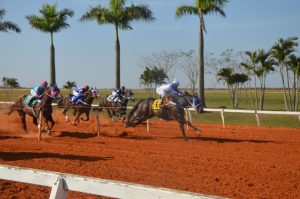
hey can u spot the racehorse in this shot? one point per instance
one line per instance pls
(150, 107)
(45, 105)
(117, 108)
(83, 107)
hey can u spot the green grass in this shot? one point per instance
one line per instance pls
(214, 99)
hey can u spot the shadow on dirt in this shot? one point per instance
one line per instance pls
(77, 135)
(13, 156)
(2, 137)
(223, 140)
(125, 135)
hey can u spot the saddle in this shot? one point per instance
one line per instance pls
(29, 101)
(111, 98)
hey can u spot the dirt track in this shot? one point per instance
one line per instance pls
(236, 162)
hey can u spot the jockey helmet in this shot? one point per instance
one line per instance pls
(175, 83)
(123, 88)
(86, 87)
(55, 89)
(44, 83)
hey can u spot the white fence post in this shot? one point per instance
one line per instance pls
(97, 122)
(223, 118)
(257, 118)
(58, 191)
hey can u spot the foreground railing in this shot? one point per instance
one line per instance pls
(63, 182)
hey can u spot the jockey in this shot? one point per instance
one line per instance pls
(117, 94)
(79, 93)
(171, 89)
(38, 91)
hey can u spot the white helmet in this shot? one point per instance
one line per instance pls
(175, 83)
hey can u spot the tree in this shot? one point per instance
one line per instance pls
(120, 16)
(5, 26)
(234, 82)
(70, 85)
(294, 66)
(151, 77)
(265, 66)
(200, 9)
(10, 82)
(167, 60)
(51, 21)
(281, 51)
(189, 68)
(250, 66)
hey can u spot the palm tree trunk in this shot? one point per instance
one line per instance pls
(201, 67)
(284, 92)
(117, 60)
(289, 88)
(52, 62)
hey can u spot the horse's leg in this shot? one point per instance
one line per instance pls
(65, 114)
(22, 115)
(192, 126)
(49, 118)
(76, 120)
(108, 110)
(87, 114)
(181, 121)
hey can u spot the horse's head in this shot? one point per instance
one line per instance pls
(193, 101)
(129, 95)
(94, 93)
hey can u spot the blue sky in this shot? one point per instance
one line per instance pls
(85, 51)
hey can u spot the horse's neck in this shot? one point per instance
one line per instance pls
(47, 100)
(89, 100)
(185, 101)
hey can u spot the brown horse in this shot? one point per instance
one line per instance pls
(45, 105)
(118, 108)
(150, 107)
(83, 107)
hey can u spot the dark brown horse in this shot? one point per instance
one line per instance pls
(117, 109)
(150, 107)
(83, 107)
(45, 105)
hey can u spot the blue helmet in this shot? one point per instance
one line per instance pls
(175, 83)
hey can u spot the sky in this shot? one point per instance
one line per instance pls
(85, 52)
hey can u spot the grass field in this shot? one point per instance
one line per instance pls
(214, 99)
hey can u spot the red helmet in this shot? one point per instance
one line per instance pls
(44, 83)
(86, 87)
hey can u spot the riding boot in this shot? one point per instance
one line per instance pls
(162, 102)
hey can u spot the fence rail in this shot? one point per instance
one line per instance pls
(63, 182)
(220, 110)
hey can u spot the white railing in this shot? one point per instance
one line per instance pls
(63, 182)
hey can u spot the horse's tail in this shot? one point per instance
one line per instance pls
(135, 107)
(15, 106)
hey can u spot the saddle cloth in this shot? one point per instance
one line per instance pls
(27, 100)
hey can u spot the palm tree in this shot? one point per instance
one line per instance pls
(120, 16)
(266, 64)
(200, 9)
(294, 65)
(251, 70)
(7, 25)
(51, 21)
(281, 51)
(70, 85)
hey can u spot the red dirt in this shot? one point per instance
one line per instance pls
(236, 162)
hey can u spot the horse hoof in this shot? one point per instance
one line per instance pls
(49, 132)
